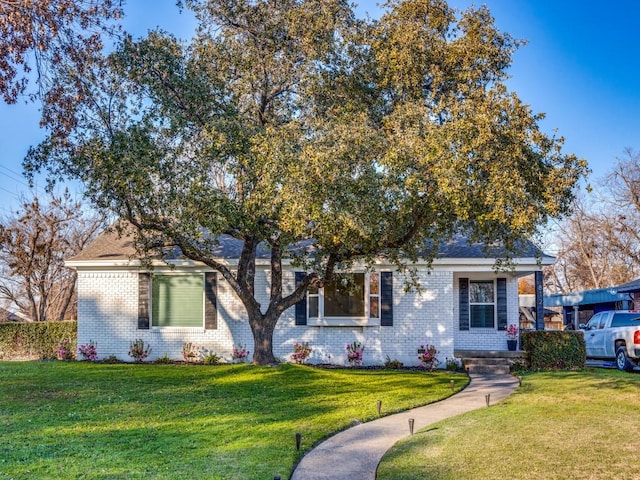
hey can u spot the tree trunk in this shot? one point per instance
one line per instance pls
(262, 328)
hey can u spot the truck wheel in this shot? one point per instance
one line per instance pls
(622, 361)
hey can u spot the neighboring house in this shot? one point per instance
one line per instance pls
(463, 304)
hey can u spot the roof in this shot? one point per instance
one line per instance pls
(630, 287)
(586, 297)
(111, 246)
(460, 247)
(595, 296)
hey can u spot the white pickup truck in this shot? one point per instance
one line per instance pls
(614, 335)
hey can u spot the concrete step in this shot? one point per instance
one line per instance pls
(485, 365)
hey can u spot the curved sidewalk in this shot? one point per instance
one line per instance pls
(355, 453)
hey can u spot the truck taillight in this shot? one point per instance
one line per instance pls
(636, 337)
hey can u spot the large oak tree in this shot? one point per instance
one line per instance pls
(285, 120)
(36, 35)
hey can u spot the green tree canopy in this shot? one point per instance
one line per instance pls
(284, 120)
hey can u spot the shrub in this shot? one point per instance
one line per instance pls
(301, 352)
(355, 352)
(139, 350)
(453, 364)
(111, 359)
(189, 352)
(393, 364)
(163, 359)
(554, 350)
(36, 339)
(212, 359)
(88, 351)
(239, 353)
(427, 356)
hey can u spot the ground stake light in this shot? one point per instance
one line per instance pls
(453, 385)
(379, 406)
(487, 397)
(298, 440)
(411, 423)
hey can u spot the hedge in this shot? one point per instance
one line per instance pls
(36, 339)
(554, 350)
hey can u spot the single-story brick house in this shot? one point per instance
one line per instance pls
(464, 304)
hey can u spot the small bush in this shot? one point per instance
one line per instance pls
(301, 352)
(138, 350)
(163, 359)
(453, 364)
(88, 351)
(111, 359)
(212, 359)
(554, 350)
(189, 352)
(427, 356)
(239, 353)
(393, 364)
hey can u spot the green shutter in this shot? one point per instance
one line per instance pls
(177, 301)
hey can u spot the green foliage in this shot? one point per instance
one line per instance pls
(36, 339)
(163, 360)
(393, 364)
(212, 359)
(139, 350)
(96, 421)
(554, 350)
(111, 359)
(300, 122)
(453, 364)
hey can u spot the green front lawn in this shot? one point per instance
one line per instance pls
(82, 420)
(577, 425)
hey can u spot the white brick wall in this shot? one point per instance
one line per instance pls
(485, 339)
(108, 311)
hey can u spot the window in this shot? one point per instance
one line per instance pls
(351, 296)
(482, 304)
(177, 300)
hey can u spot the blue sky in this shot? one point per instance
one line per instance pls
(581, 67)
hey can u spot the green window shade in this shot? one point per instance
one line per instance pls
(177, 301)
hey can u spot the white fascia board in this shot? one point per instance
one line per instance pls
(449, 264)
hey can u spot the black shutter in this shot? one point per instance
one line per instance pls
(463, 303)
(144, 284)
(386, 299)
(301, 306)
(211, 304)
(502, 303)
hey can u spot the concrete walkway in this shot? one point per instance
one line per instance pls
(355, 453)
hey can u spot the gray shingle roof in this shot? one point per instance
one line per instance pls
(111, 246)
